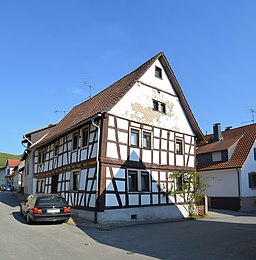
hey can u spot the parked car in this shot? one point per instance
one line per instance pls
(45, 207)
(7, 187)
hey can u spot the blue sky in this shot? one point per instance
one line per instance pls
(49, 48)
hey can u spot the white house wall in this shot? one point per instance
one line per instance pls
(221, 183)
(249, 166)
(137, 104)
(163, 144)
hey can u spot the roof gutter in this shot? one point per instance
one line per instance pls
(66, 131)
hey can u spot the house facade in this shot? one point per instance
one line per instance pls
(113, 157)
(9, 171)
(26, 168)
(2, 179)
(228, 164)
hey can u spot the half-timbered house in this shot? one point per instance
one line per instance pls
(112, 156)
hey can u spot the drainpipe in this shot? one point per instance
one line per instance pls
(97, 170)
(238, 184)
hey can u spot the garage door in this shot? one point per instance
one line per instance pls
(230, 203)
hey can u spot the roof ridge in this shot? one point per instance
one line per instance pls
(149, 61)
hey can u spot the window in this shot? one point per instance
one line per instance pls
(147, 140)
(179, 146)
(56, 149)
(74, 180)
(159, 106)
(133, 181)
(179, 183)
(138, 181)
(85, 137)
(254, 153)
(40, 186)
(155, 105)
(135, 135)
(158, 72)
(216, 157)
(252, 180)
(162, 108)
(41, 156)
(75, 141)
(144, 181)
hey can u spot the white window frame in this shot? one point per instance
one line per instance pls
(139, 137)
(40, 185)
(75, 134)
(150, 144)
(252, 180)
(179, 142)
(139, 173)
(41, 156)
(56, 149)
(71, 184)
(88, 136)
(140, 141)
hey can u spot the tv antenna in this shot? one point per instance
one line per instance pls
(61, 111)
(253, 111)
(90, 89)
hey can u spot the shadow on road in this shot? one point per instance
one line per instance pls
(197, 239)
(8, 198)
(18, 217)
(182, 240)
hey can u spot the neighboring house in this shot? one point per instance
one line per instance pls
(9, 170)
(27, 168)
(228, 164)
(110, 155)
(2, 179)
(17, 176)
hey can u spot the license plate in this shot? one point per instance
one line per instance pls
(53, 210)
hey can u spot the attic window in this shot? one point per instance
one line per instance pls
(158, 72)
(159, 106)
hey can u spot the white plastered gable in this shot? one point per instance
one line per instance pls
(137, 104)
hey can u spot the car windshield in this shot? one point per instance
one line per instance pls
(51, 201)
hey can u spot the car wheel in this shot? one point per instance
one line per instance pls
(29, 221)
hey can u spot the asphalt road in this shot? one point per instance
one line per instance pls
(222, 236)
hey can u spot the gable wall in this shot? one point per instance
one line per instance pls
(137, 104)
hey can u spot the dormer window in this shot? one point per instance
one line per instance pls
(158, 72)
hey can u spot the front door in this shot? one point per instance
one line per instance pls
(54, 183)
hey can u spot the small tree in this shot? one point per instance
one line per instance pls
(188, 189)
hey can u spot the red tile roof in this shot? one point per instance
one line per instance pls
(12, 162)
(243, 137)
(110, 96)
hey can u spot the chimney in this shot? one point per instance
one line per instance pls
(217, 136)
